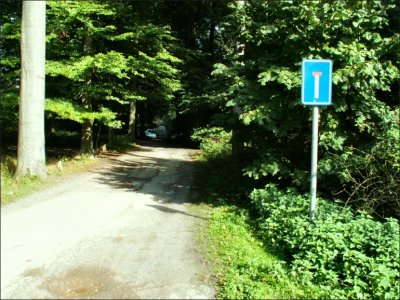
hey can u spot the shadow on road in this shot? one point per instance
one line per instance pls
(164, 173)
(173, 211)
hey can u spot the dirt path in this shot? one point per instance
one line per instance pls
(122, 231)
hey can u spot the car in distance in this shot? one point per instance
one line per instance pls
(151, 133)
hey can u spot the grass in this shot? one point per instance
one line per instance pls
(242, 266)
(61, 162)
(13, 188)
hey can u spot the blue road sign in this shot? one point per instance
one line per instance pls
(316, 84)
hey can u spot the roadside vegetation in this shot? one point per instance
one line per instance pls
(62, 160)
(263, 244)
(12, 188)
(242, 267)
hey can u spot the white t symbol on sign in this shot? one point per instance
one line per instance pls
(316, 83)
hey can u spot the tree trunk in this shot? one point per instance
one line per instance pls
(109, 136)
(87, 125)
(211, 36)
(132, 112)
(132, 120)
(212, 41)
(31, 135)
(87, 135)
(237, 141)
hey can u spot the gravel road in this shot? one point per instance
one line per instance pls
(120, 231)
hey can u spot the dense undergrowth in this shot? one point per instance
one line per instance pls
(348, 255)
(267, 247)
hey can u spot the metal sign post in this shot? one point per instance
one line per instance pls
(314, 162)
(316, 90)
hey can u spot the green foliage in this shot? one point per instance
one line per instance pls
(222, 177)
(349, 256)
(372, 181)
(9, 115)
(120, 143)
(10, 18)
(264, 82)
(112, 63)
(244, 270)
(97, 59)
(68, 110)
(214, 142)
(94, 71)
(161, 68)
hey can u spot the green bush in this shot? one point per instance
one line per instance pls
(348, 255)
(214, 142)
(370, 176)
(121, 143)
(244, 270)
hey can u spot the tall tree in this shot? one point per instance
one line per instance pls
(92, 73)
(359, 37)
(106, 60)
(150, 41)
(197, 25)
(31, 151)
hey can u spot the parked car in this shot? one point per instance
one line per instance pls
(151, 133)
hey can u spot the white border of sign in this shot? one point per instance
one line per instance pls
(303, 70)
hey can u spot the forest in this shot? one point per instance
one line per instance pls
(225, 76)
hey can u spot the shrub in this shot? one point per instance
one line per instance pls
(370, 175)
(121, 143)
(350, 255)
(214, 142)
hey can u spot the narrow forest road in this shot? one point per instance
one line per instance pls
(120, 231)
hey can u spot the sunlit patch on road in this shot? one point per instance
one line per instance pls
(88, 282)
